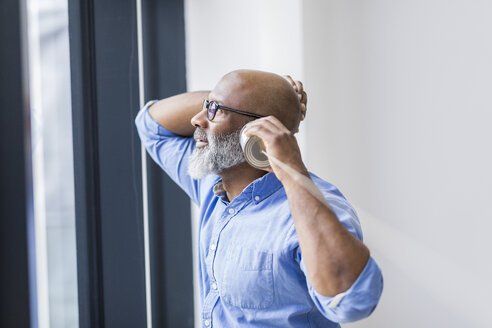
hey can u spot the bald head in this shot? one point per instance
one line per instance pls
(261, 93)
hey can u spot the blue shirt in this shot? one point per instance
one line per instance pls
(251, 269)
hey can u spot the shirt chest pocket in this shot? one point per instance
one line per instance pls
(247, 280)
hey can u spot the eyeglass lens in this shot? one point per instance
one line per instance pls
(211, 109)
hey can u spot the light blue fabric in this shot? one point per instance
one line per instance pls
(251, 269)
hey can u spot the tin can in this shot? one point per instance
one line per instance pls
(253, 148)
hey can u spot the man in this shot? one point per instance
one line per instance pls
(271, 254)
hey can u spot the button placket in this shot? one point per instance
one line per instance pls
(212, 297)
(208, 305)
(222, 222)
(209, 261)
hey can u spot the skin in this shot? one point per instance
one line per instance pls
(334, 257)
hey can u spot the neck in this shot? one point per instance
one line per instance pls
(236, 178)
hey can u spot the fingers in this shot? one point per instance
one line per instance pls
(267, 128)
(299, 87)
(262, 124)
(301, 94)
(290, 80)
(276, 122)
(303, 98)
(264, 131)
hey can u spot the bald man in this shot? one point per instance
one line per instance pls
(271, 254)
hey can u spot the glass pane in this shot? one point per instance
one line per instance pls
(49, 82)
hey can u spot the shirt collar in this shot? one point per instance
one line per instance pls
(259, 189)
(218, 188)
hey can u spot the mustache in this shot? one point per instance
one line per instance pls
(200, 134)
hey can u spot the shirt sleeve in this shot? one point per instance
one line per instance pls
(360, 300)
(169, 150)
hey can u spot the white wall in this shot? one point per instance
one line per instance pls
(399, 117)
(224, 35)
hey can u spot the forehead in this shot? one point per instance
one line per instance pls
(230, 91)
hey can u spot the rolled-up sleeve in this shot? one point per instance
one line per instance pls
(169, 150)
(358, 302)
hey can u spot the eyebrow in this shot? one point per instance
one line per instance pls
(212, 98)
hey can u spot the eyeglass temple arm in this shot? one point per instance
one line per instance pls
(240, 111)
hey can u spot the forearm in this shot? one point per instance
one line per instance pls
(334, 257)
(174, 113)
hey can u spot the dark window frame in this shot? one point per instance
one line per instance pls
(171, 266)
(107, 163)
(108, 167)
(108, 176)
(17, 265)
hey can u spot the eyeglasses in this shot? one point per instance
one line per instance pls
(212, 106)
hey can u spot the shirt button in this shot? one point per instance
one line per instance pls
(206, 323)
(213, 247)
(231, 211)
(214, 286)
(257, 198)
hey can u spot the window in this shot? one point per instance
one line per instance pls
(76, 253)
(51, 134)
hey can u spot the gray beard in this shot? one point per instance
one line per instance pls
(221, 152)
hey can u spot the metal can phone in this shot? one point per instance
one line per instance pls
(252, 148)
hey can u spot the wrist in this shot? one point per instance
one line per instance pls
(291, 175)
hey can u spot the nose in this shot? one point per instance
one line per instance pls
(200, 119)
